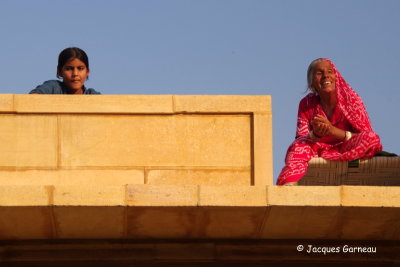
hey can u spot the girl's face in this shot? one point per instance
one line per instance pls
(74, 74)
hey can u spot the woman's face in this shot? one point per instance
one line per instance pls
(74, 74)
(324, 77)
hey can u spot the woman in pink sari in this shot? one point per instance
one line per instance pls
(332, 123)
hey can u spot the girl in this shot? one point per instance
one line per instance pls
(73, 68)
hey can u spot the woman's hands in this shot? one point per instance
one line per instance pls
(321, 126)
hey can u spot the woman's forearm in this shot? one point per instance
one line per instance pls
(339, 134)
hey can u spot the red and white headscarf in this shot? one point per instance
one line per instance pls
(350, 103)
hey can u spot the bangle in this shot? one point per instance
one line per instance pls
(347, 136)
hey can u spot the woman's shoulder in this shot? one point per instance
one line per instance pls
(309, 100)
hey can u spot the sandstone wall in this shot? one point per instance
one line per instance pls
(118, 140)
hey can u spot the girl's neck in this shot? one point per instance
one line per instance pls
(76, 92)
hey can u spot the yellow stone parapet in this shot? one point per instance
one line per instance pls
(129, 139)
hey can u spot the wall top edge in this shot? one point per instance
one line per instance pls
(197, 195)
(134, 104)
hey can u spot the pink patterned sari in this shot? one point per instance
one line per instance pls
(349, 115)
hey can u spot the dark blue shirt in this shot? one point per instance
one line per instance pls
(54, 87)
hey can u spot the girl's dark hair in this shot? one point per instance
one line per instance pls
(69, 53)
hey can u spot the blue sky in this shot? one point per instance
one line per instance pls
(224, 47)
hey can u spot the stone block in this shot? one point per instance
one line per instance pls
(371, 196)
(89, 222)
(233, 196)
(230, 222)
(199, 176)
(304, 195)
(29, 222)
(263, 161)
(162, 222)
(89, 211)
(24, 212)
(28, 141)
(72, 177)
(6, 103)
(367, 223)
(116, 104)
(222, 103)
(165, 140)
(25, 195)
(89, 195)
(301, 222)
(161, 195)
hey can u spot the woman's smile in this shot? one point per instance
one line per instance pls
(324, 77)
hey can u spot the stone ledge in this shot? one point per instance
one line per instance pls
(369, 196)
(198, 195)
(198, 212)
(161, 195)
(6, 103)
(93, 104)
(222, 103)
(304, 196)
(134, 104)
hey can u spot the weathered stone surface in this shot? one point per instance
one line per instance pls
(162, 222)
(6, 103)
(89, 222)
(28, 141)
(200, 176)
(97, 177)
(368, 223)
(371, 196)
(230, 222)
(25, 212)
(162, 195)
(89, 195)
(262, 136)
(191, 140)
(222, 103)
(235, 196)
(168, 211)
(304, 195)
(93, 104)
(25, 195)
(23, 222)
(300, 221)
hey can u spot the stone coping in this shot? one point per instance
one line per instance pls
(134, 104)
(198, 212)
(199, 195)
